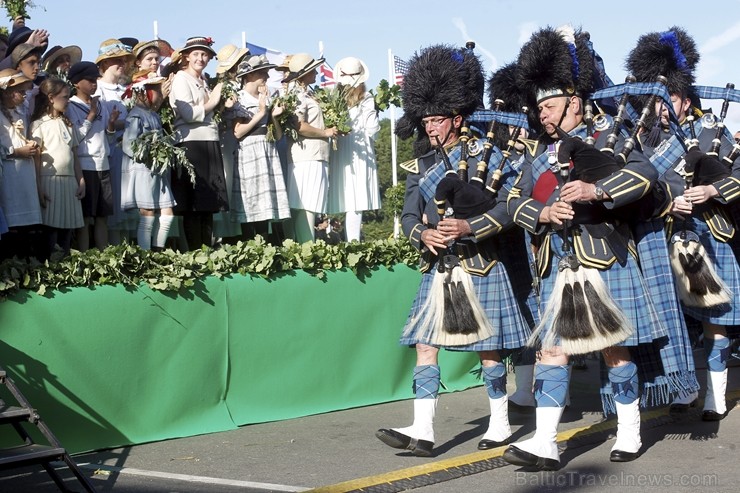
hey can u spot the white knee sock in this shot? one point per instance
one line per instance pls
(163, 230)
(144, 232)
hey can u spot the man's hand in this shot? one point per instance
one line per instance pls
(454, 228)
(681, 207)
(434, 240)
(557, 213)
(700, 193)
(578, 191)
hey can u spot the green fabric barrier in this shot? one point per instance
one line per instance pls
(114, 366)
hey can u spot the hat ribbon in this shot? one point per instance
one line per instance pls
(114, 47)
(5, 81)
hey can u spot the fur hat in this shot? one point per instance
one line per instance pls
(672, 54)
(441, 80)
(556, 62)
(503, 85)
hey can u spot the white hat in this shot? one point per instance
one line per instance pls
(351, 71)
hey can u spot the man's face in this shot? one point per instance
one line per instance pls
(442, 128)
(551, 112)
(680, 105)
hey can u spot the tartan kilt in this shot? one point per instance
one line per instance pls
(511, 329)
(726, 265)
(628, 289)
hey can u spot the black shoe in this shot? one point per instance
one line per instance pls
(518, 408)
(682, 408)
(713, 416)
(622, 456)
(392, 438)
(519, 457)
(489, 444)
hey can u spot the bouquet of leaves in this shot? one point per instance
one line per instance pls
(157, 151)
(333, 104)
(229, 88)
(17, 8)
(289, 103)
(386, 95)
(167, 116)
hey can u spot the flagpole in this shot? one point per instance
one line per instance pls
(394, 177)
(321, 49)
(156, 30)
(244, 39)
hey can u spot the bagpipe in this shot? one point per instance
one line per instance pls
(581, 314)
(698, 283)
(453, 311)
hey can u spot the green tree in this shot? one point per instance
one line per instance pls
(379, 224)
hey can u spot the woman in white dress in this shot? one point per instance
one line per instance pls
(259, 194)
(353, 171)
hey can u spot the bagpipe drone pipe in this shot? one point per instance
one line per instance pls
(453, 310)
(698, 283)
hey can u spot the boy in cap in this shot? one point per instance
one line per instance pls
(95, 124)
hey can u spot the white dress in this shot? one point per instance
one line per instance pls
(259, 187)
(19, 197)
(144, 190)
(353, 172)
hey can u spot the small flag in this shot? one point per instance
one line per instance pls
(400, 67)
(326, 75)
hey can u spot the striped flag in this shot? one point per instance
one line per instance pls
(274, 56)
(326, 75)
(400, 67)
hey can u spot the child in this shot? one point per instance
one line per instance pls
(61, 185)
(146, 191)
(19, 197)
(94, 124)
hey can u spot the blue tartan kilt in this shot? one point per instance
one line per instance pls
(726, 265)
(511, 329)
(628, 289)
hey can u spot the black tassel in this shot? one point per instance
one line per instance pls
(700, 278)
(653, 138)
(449, 321)
(571, 322)
(466, 323)
(604, 318)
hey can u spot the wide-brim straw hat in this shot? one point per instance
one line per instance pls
(199, 42)
(284, 65)
(113, 48)
(74, 52)
(229, 57)
(300, 64)
(162, 46)
(254, 64)
(351, 71)
(10, 77)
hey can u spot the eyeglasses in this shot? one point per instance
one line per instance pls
(435, 121)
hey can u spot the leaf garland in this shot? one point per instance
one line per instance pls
(286, 119)
(333, 104)
(129, 265)
(386, 95)
(158, 152)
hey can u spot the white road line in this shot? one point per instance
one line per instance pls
(193, 479)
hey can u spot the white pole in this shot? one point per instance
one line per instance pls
(321, 49)
(244, 39)
(156, 30)
(394, 174)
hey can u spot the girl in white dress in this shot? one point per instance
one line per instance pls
(353, 171)
(61, 184)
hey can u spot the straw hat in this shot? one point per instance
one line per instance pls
(10, 77)
(283, 67)
(113, 48)
(163, 47)
(229, 56)
(74, 52)
(200, 42)
(254, 64)
(351, 71)
(300, 64)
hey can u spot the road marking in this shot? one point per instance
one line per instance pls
(193, 479)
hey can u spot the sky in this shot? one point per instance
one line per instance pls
(367, 30)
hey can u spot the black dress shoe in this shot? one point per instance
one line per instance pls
(519, 457)
(622, 456)
(682, 408)
(489, 444)
(392, 438)
(713, 416)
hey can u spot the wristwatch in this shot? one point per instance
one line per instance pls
(599, 193)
